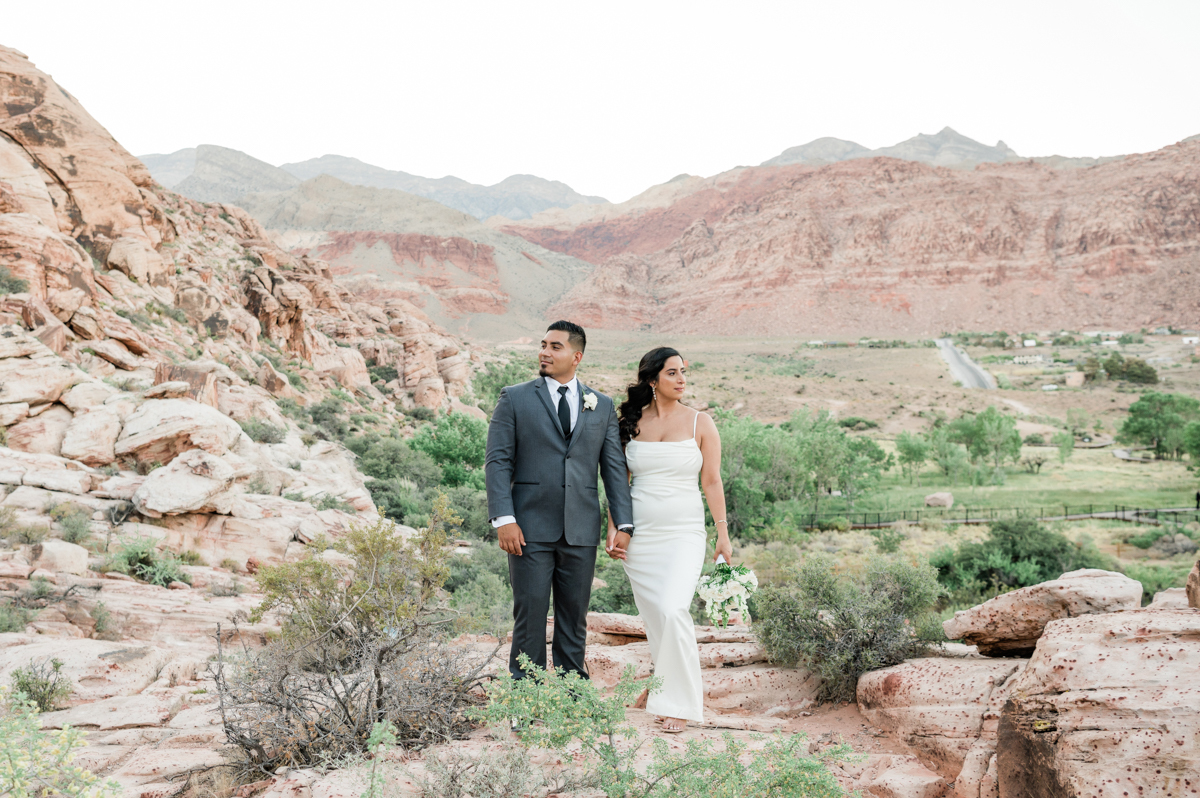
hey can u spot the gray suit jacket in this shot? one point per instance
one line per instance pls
(547, 482)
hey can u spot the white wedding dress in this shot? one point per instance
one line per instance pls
(663, 562)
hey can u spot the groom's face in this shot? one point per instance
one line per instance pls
(558, 359)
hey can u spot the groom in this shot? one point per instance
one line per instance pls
(545, 443)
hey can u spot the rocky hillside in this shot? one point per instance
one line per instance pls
(461, 273)
(191, 172)
(143, 333)
(880, 245)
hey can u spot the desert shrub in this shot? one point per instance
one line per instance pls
(10, 284)
(39, 588)
(222, 589)
(488, 382)
(470, 504)
(572, 717)
(842, 627)
(104, 620)
(1156, 578)
(359, 646)
(191, 557)
(31, 533)
(888, 539)
(13, 618)
(383, 373)
(258, 484)
(326, 414)
(423, 414)
(74, 520)
(388, 457)
(1035, 439)
(858, 424)
(458, 444)
(331, 502)
(37, 762)
(262, 431)
(42, 682)
(140, 558)
(835, 524)
(8, 521)
(1016, 553)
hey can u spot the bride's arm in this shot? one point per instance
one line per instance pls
(710, 480)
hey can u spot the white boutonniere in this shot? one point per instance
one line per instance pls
(589, 401)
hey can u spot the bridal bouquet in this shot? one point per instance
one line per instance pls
(726, 590)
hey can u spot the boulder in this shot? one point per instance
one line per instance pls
(245, 403)
(162, 428)
(1174, 598)
(1011, 624)
(906, 778)
(941, 707)
(12, 413)
(92, 436)
(36, 381)
(1193, 587)
(201, 383)
(275, 383)
(43, 434)
(61, 480)
(194, 482)
(116, 353)
(217, 538)
(174, 389)
(939, 500)
(1106, 706)
(87, 395)
(1169, 546)
(758, 690)
(60, 556)
(614, 623)
(135, 257)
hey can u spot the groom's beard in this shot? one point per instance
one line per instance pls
(542, 372)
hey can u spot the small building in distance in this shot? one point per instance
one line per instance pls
(1028, 360)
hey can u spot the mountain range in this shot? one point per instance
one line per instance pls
(218, 174)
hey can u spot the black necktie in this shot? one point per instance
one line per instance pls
(564, 412)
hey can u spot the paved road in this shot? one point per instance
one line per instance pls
(963, 368)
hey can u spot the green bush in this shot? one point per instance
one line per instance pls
(13, 618)
(1016, 553)
(1156, 578)
(840, 628)
(262, 431)
(488, 382)
(10, 284)
(42, 682)
(383, 373)
(857, 424)
(1035, 439)
(140, 558)
(617, 595)
(458, 444)
(38, 763)
(74, 520)
(888, 539)
(387, 457)
(588, 729)
(331, 502)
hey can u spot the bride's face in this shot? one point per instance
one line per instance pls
(672, 379)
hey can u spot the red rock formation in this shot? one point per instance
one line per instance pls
(883, 245)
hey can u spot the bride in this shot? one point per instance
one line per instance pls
(667, 446)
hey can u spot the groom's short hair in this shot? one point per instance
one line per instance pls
(575, 334)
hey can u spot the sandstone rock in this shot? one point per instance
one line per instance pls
(125, 712)
(77, 482)
(939, 500)
(168, 390)
(759, 690)
(1193, 587)
(26, 185)
(246, 403)
(136, 258)
(1012, 622)
(49, 260)
(194, 482)
(87, 395)
(60, 557)
(97, 669)
(64, 302)
(940, 707)
(162, 428)
(1174, 598)
(36, 381)
(12, 413)
(1106, 706)
(908, 779)
(92, 436)
(201, 383)
(614, 623)
(217, 538)
(86, 324)
(43, 434)
(116, 353)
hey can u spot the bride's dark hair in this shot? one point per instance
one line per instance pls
(640, 394)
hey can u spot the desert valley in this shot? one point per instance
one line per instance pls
(245, 547)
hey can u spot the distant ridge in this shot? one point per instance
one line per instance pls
(218, 174)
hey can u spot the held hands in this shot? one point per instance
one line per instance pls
(511, 538)
(617, 543)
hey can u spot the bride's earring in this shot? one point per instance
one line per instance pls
(653, 394)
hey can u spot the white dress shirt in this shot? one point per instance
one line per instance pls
(572, 398)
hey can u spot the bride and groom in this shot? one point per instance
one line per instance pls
(547, 440)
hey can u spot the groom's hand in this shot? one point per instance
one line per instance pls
(617, 545)
(511, 538)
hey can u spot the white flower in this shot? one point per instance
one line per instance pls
(589, 401)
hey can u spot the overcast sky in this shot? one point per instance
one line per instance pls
(614, 97)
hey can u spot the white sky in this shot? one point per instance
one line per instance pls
(613, 97)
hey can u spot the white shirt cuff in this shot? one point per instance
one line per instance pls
(501, 520)
(625, 526)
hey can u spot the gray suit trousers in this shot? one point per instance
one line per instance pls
(566, 571)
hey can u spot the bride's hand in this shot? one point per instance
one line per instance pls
(724, 547)
(617, 552)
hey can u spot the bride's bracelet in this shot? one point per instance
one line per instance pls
(722, 521)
